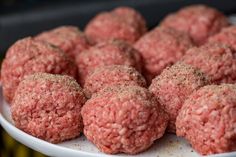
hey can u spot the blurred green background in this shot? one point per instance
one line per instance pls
(12, 148)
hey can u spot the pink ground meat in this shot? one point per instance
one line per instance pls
(132, 15)
(69, 38)
(208, 119)
(28, 56)
(111, 75)
(226, 36)
(160, 48)
(199, 21)
(112, 52)
(121, 23)
(48, 107)
(123, 119)
(174, 85)
(216, 60)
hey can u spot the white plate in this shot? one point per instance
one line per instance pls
(168, 146)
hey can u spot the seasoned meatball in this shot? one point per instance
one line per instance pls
(28, 56)
(123, 119)
(48, 107)
(112, 52)
(69, 38)
(121, 23)
(174, 85)
(111, 75)
(160, 48)
(199, 21)
(216, 60)
(208, 119)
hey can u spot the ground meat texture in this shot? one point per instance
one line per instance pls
(111, 75)
(48, 107)
(216, 60)
(28, 56)
(124, 119)
(174, 85)
(112, 52)
(69, 38)
(121, 23)
(226, 36)
(208, 119)
(199, 21)
(160, 48)
(131, 14)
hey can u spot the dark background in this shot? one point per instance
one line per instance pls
(20, 18)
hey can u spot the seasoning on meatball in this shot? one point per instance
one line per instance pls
(28, 56)
(124, 119)
(48, 107)
(121, 23)
(112, 52)
(111, 75)
(160, 48)
(69, 38)
(208, 119)
(173, 86)
(199, 21)
(226, 36)
(215, 59)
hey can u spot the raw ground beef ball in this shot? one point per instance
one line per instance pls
(216, 60)
(124, 119)
(111, 75)
(173, 86)
(226, 36)
(132, 15)
(69, 38)
(48, 107)
(199, 21)
(208, 119)
(112, 52)
(160, 48)
(28, 56)
(121, 23)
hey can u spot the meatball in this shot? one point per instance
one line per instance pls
(69, 38)
(214, 59)
(208, 119)
(121, 23)
(48, 107)
(161, 48)
(132, 14)
(112, 52)
(199, 21)
(112, 75)
(123, 119)
(173, 86)
(28, 56)
(226, 36)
